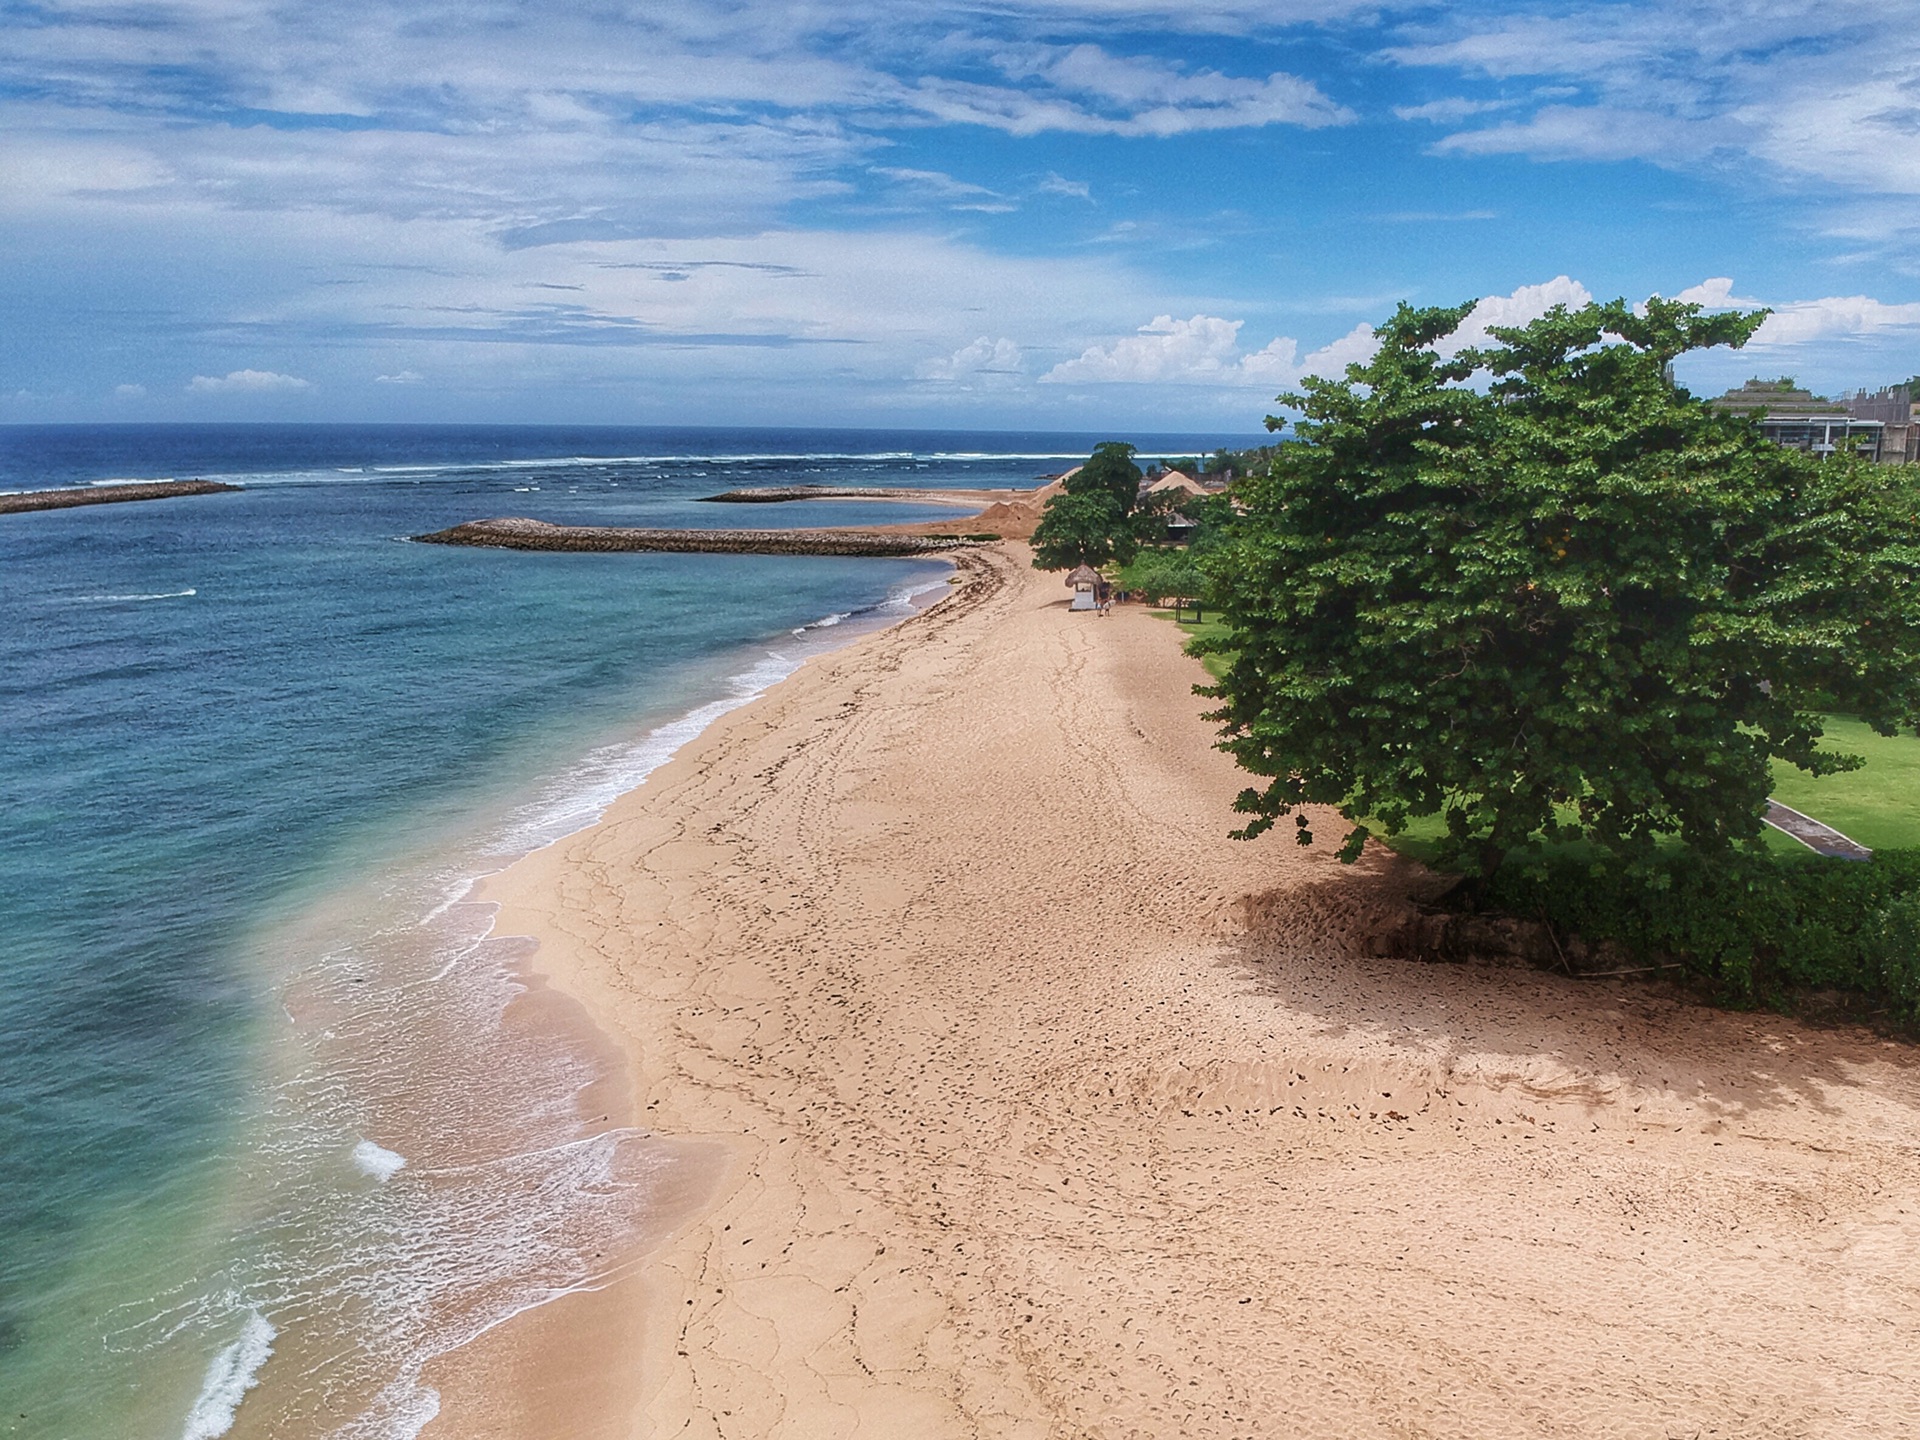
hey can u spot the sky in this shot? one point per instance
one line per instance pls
(1062, 214)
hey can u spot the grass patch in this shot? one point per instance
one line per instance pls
(1878, 804)
(1205, 629)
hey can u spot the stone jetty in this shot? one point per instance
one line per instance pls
(515, 533)
(70, 495)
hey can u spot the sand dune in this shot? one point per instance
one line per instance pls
(1044, 1109)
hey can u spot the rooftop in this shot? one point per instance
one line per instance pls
(1777, 395)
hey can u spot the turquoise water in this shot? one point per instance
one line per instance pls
(273, 1136)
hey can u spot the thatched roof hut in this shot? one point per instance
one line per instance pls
(1175, 480)
(1087, 585)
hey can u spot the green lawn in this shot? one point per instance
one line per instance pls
(1878, 804)
(1216, 664)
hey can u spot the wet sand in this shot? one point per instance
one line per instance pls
(1038, 1107)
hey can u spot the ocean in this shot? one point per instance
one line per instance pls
(281, 1125)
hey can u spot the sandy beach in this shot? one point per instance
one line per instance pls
(1027, 1103)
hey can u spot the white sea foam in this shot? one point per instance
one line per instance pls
(234, 1371)
(399, 1412)
(377, 1161)
(118, 599)
(580, 797)
(453, 469)
(745, 457)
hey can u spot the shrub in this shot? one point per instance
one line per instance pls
(1755, 928)
(1897, 929)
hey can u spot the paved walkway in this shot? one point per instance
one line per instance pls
(1823, 839)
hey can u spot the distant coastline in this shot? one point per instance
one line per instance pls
(70, 495)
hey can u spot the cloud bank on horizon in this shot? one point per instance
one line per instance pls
(1081, 214)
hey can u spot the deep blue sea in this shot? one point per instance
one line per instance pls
(273, 1133)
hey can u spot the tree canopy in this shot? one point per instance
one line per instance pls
(1081, 530)
(1165, 574)
(1109, 471)
(1091, 523)
(1537, 589)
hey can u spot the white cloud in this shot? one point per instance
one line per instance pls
(936, 184)
(1205, 350)
(1434, 217)
(1084, 90)
(246, 382)
(1056, 184)
(1800, 89)
(667, 119)
(1602, 132)
(1356, 347)
(1715, 294)
(1447, 112)
(1519, 45)
(1524, 305)
(984, 360)
(404, 377)
(1798, 322)
(1850, 316)
(37, 167)
(130, 392)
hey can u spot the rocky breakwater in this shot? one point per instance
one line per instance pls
(71, 495)
(521, 534)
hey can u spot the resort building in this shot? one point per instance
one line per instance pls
(1876, 425)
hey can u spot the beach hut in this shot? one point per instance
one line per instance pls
(1086, 586)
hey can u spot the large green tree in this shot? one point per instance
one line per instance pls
(1091, 523)
(1538, 589)
(1082, 530)
(1110, 472)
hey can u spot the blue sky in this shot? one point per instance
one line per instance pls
(1066, 214)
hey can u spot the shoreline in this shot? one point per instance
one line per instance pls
(563, 1352)
(1047, 1109)
(443, 1131)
